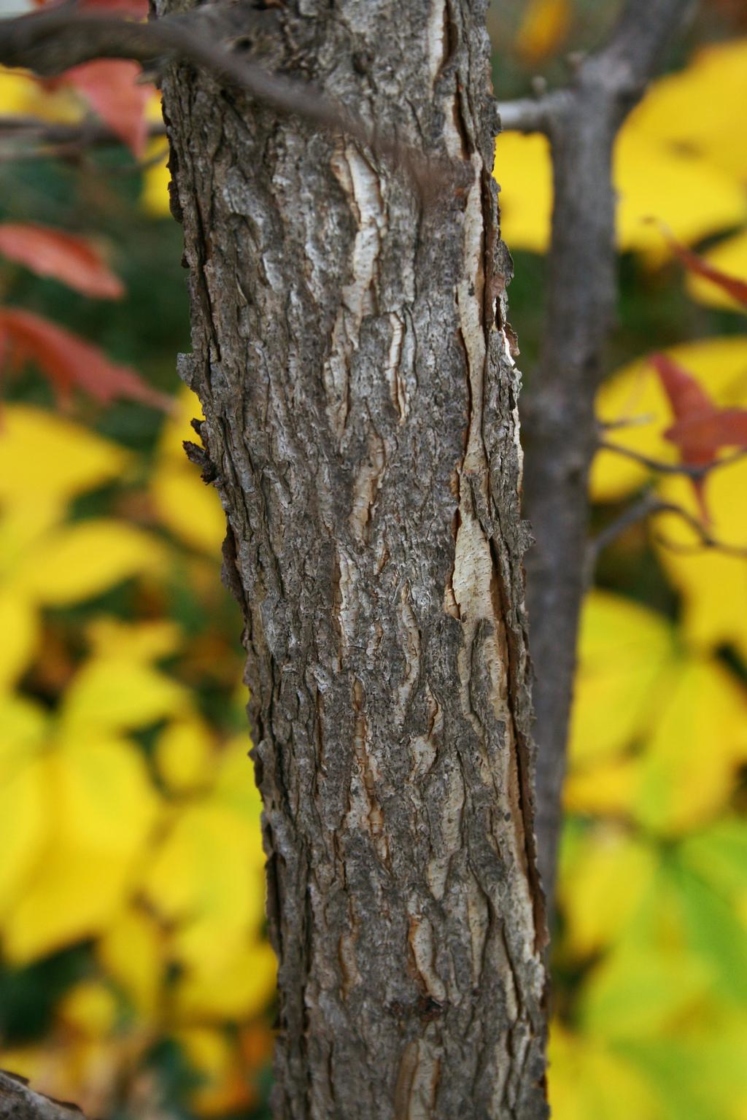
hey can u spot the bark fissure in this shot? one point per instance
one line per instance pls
(361, 412)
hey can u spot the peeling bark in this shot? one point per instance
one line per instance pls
(350, 354)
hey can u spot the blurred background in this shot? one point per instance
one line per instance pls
(134, 975)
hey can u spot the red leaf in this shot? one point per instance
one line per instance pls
(732, 285)
(688, 402)
(701, 429)
(110, 87)
(69, 361)
(72, 260)
(724, 428)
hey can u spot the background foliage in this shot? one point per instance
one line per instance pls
(134, 977)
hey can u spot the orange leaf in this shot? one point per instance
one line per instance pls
(72, 260)
(69, 361)
(111, 88)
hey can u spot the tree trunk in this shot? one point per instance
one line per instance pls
(350, 354)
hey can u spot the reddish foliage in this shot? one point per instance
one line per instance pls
(110, 86)
(732, 285)
(701, 429)
(72, 260)
(69, 361)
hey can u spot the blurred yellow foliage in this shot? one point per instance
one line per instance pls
(691, 194)
(156, 857)
(677, 159)
(544, 27)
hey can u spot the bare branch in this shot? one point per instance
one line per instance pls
(55, 39)
(23, 138)
(631, 516)
(560, 431)
(695, 472)
(530, 114)
(708, 541)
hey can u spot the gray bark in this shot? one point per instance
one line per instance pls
(350, 353)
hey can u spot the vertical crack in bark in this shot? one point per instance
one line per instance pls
(361, 186)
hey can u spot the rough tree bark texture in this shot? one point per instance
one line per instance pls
(350, 353)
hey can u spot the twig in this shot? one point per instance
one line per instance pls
(560, 431)
(25, 138)
(708, 541)
(55, 39)
(695, 471)
(634, 514)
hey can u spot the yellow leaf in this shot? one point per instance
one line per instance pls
(730, 257)
(177, 427)
(23, 829)
(543, 29)
(184, 755)
(188, 508)
(19, 627)
(132, 952)
(589, 1081)
(634, 393)
(44, 456)
(692, 196)
(25, 96)
(240, 987)
(683, 190)
(638, 992)
(156, 178)
(24, 727)
(202, 878)
(235, 788)
(713, 583)
(226, 1084)
(22, 527)
(82, 560)
(602, 888)
(524, 172)
(696, 747)
(90, 1007)
(99, 812)
(623, 650)
(702, 108)
(111, 693)
(607, 788)
(139, 641)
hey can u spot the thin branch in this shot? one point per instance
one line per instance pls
(530, 114)
(55, 39)
(633, 515)
(560, 430)
(708, 541)
(25, 138)
(696, 471)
